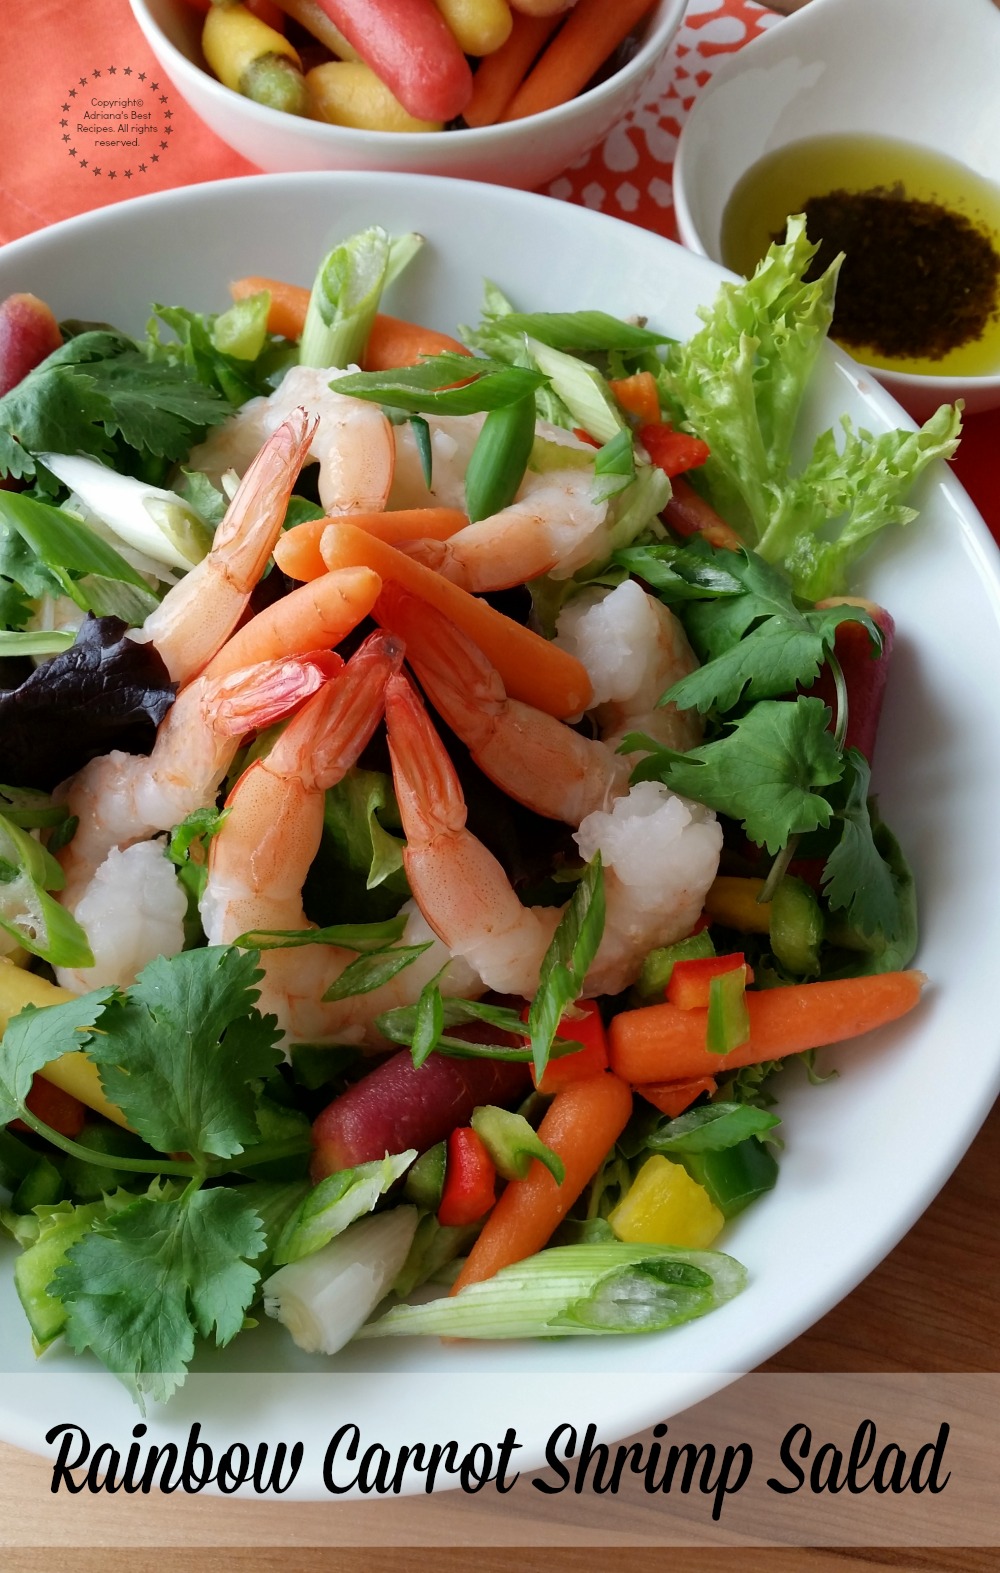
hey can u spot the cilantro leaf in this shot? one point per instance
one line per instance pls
(94, 388)
(179, 1053)
(566, 962)
(856, 877)
(765, 772)
(36, 1036)
(760, 643)
(140, 1285)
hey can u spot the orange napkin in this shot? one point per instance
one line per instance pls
(48, 46)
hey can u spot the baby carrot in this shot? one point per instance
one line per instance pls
(286, 314)
(661, 1043)
(581, 1125)
(673, 1097)
(592, 32)
(532, 668)
(298, 555)
(499, 76)
(394, 342)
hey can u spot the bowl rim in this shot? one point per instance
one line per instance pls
(730, 66)
(659, 38)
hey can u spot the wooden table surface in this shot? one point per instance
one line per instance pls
(930, 1306)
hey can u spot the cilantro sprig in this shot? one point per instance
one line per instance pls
(185, 1055)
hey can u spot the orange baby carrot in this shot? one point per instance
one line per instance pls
(532, 668)
(638, 395)
(286, 314)
(498, 76)
(673, 1097)
(391, 342)
(592, 31)
(581, 1125)
(664, 1043)
(395, 342)
(298, 555)
(314, 616)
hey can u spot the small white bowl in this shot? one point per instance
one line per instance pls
(919, 71)
(522, 153)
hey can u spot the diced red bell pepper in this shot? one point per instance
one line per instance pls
(638, 395)
(591, 1060)
(689, 514)
(689, 982)
(673, 1097)
(53, 1107)
(865, 672)
(585, 436)
(469, 1180)
(671, 451)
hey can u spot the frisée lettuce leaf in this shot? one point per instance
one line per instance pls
(739, 384)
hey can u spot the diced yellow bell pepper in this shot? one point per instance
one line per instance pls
(733, 903)
(664, 1206)
(74, 1073)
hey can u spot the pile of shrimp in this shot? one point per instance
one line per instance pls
(659, 851)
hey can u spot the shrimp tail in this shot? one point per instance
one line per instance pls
(531, 756)
(428, 790)
(330, 731)
(254, 518)
(257, 696)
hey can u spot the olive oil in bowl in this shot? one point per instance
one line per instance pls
(920, 287)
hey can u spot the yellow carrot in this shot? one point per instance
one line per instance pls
(479, 27)
(734, 903)
(532, 668)
(581, 1125)
(348, 93)
(74, 1073)
(660, 1043)
(253, 59)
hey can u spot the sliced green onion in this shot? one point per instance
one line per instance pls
(37, 641)
(728, 1018)
(325, 1298)
(402, 250)
(64, 543)
(566, 962)
(710, 1129)
(422, 438)
(369, 972)
(582, 389)
(584, 331)
(637, 509)
(345, 297)
(27, 912)
(242, 330)
(430, 387)
(513, 1144)
(348, 936)
(499, 459)
(337, 1201)
(575, 1290)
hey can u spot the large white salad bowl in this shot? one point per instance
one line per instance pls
(864, 1153)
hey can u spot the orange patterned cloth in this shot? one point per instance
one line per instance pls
(67, 52)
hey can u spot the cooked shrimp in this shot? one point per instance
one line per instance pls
(131, 911)
(123, 798)
(258, 676)
(531, 756)
(259, 860)
(351, 439)
(634, 649)
(196, 617)
(660, 855)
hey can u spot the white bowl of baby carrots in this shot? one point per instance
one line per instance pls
(563, 79)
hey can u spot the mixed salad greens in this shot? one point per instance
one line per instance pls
(177, 1191)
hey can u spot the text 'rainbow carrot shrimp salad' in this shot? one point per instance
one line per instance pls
(438, 805)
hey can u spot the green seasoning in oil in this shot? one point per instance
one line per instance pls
(920, 286)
